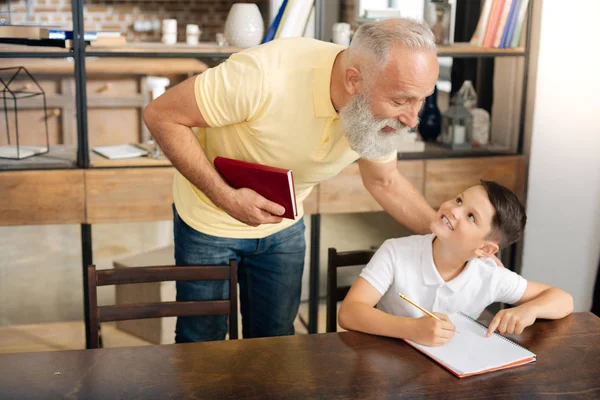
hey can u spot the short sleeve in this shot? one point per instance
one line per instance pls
(230, 92)
(507, 286)
(379, 272)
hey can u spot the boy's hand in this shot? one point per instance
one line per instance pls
(512, 320)
(432, 332)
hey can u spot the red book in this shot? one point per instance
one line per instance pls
(275, 184)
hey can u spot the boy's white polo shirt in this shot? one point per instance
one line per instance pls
(405, 265)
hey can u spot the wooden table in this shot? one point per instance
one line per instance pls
(345, 365)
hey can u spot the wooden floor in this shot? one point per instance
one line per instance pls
(59, 336)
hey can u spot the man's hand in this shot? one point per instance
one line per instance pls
(495, 259)
(251, 208)
(432, 332)
(513, 320)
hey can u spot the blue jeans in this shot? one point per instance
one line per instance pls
(270, 279)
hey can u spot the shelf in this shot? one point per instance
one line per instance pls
(12, 51)
(432, 151)
(467, 50)
(59, 157)
(211, 50)
(436, 151)
(206, 50)
(101, 66)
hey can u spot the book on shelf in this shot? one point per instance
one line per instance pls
(11, 151)
(381, 13)
(109, 41)
(120, 151)
(275, 184)
(295, 18)
(500, 24)
(470, 352)
(516, 37)
(509, 22)
(276, 22)
(65, 44)
(41, 32)
(490, 35)
(480, 30)
(503, 17)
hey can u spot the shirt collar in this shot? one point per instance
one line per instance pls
(321, 86)
(431, 276)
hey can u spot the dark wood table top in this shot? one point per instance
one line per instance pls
(345, 365)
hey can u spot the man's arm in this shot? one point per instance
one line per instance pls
(397, 195)
(170, 118)
(359, 314)
(538, 301)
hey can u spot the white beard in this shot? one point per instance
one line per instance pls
(364, 133)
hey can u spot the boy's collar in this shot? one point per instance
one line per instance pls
(431, 276)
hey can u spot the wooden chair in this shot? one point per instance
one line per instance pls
(334, 293)
(135, 275)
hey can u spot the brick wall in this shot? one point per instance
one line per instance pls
(120, 15)
(349, 11)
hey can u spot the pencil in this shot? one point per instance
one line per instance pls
(418, 306)
(403, 297)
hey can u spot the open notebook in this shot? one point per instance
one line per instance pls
(470, 352)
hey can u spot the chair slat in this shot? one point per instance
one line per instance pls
(353, 258)
(164, 309)
(336, 294)
(121, 276)
(341, 292)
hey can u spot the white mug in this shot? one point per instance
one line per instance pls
(169, 31)
(192, 33)
(342, 33)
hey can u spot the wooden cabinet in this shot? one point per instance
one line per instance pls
(446, 178)
(129, 194)
(346, 193)
(438, 180)
(42, 197)
(145, 193)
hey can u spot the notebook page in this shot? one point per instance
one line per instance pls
(471, 351)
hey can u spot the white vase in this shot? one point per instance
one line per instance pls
(244, 26)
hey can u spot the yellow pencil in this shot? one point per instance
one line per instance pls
(403, 297)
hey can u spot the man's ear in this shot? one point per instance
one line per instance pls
(353, 82)
(487, 249)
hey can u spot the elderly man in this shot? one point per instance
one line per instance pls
(300, 104)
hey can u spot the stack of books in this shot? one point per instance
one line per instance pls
(34, 35)
(370, 15)
(500, 24)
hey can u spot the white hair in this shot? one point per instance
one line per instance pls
(376, 39)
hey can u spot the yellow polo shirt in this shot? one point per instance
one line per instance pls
(269, 105)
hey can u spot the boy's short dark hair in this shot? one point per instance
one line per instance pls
(509, 219)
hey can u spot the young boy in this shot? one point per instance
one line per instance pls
(444, 272)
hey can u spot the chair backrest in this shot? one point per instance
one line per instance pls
(126, 276)
(334, 293)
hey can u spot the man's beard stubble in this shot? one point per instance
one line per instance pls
(364, 132)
